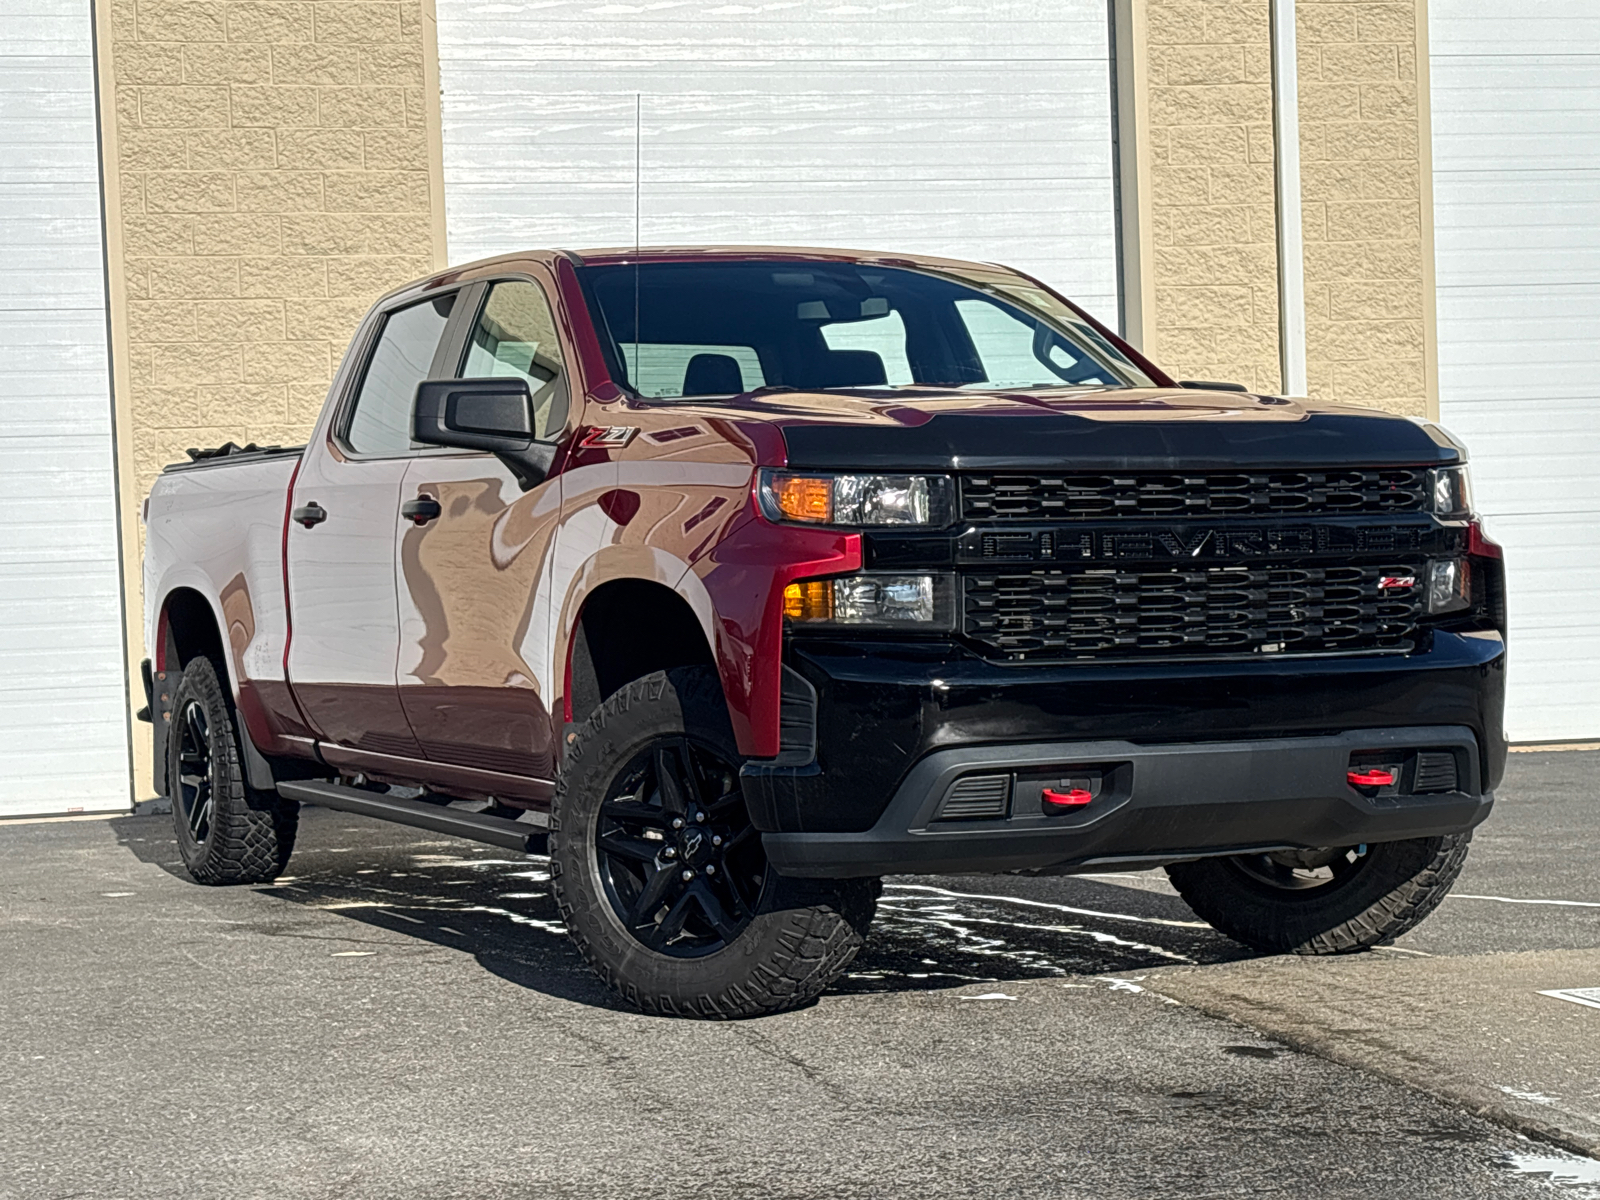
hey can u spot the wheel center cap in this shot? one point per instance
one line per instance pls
(695, 844)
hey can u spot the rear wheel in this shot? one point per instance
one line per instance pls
(227, 831)
(1331, 901)
(661, 876)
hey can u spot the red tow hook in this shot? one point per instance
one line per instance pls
(1073, 798)
(1376, 777)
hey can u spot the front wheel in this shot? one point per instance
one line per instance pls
(1332, 901)
(661, 877)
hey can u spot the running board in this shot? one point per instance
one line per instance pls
(440, 818)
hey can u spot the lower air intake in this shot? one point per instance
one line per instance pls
(1436, 772)
(976, 798)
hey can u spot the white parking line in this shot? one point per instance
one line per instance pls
(1516, 900)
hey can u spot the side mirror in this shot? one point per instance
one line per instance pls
(484, 414)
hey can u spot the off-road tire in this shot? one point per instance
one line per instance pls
(249, 834)
(803, 933)
(1399, 884)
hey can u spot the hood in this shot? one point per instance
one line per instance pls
(1127, 429)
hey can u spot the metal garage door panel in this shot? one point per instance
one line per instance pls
(63, 724)
(1516, 119)
(929, 126)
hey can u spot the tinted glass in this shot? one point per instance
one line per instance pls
(381, 423)
(516, 336)
(826, 325)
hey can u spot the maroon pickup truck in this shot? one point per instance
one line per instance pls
(855, 565)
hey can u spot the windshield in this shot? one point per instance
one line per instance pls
(721, 328)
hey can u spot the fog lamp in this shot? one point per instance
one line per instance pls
(1449, 585)
(894, 600)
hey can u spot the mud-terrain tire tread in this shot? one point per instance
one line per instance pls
(252, 832)
(815, 927)
(1418, 873)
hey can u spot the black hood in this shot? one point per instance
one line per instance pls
(1119, 430)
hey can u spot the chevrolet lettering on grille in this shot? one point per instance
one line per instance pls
(1188, 543)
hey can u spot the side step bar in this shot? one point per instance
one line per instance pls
(440, 818)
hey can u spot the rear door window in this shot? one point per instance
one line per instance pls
(403, 358)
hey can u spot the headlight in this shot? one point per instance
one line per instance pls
(864, 500)
(1450, 492)
(922, 601)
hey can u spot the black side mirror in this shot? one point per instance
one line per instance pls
(484, 414)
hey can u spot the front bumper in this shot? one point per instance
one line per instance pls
(1152, 804)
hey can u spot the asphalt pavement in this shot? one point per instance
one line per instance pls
(402, 1016)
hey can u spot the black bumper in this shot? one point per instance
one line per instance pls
(1151, 804)
(887, 714)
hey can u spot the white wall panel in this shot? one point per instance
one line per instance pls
(1516, 145)
(63, 732)
(975, 130)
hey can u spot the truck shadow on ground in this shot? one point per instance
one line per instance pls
(402, 890)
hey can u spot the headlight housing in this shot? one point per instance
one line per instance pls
(866, 501)
(1449, 492)
(924, 602)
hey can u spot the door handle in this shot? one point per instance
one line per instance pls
(421, 510)
(310, 514)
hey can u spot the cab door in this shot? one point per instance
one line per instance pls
(473, 572)
(340, 544)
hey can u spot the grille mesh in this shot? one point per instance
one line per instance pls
(1058, 614)
(1017, 497)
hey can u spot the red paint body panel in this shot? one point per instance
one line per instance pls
(449, 643)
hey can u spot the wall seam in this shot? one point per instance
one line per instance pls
(117, 350)
(1289, 210)
(433, 104)
(1430, 283)
(1135, 265)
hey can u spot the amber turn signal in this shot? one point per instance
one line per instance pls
(803, 497)
(810, 600)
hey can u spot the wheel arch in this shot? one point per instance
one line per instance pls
(610, 645)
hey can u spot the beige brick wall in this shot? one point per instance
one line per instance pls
(271, 159)
(1215, 269)
(1360, 141)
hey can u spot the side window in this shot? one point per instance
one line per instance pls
(381, 423)
(516, 335)
(884, 336)
(1011, 351)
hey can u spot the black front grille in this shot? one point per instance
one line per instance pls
(1016, 497)
(1219, 611)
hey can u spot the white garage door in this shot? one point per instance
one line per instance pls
(63, 732)
(1516, 142)
(979, 131)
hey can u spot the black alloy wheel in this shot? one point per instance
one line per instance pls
(661, 875)
(1303, 870)
(227, 831)
(196, 792)
(1329, 901)
(681, 865)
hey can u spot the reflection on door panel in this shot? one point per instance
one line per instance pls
(475, 617)
(341, 572)
(473, 584)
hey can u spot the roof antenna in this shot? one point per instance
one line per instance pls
(638, 106)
